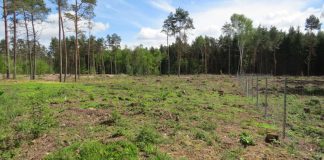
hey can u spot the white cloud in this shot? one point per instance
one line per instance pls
(280, 13)
(163, 5)
(150, 37)
(209, 21)
(49, 28)
(150, 34)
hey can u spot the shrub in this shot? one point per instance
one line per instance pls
(246, 139)
(41, 116)
(91, 97)
(118, 133)
(114, 119)
(43, 67)
(316, 105)
(147, 136)
(321, 145)
(201, 135)
(122, 150)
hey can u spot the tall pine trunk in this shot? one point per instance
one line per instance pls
(206, 58)
(76, 40)
(6, 38)
(255, 52)
(89, 45)
(229, 59)
(179, 63)
(15, 38)
(65, 49)
(201, 69)
(28, 46)
(169, 62)
(59, 40)
(308, 63)
(93, 62)
(179, 55)
(34, 48)
(102, 62)
(275, 62)
(111, 65)
(116, 72)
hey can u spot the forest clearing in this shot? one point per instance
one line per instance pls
(159, 117)
(162, 80)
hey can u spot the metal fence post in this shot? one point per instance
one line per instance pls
(247, 86)
(285, 111)
(257, 92)
(266, 99)
(252, 87)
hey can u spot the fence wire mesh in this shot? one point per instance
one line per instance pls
(304, 99)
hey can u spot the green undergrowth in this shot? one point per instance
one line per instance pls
(158, 118)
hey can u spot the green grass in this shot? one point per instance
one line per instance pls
(95, 150)
(126, 117)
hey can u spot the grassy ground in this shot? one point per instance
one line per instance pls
(123, 117)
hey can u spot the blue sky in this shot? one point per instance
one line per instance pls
(139, 21)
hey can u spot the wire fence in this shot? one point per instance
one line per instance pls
(278, 97)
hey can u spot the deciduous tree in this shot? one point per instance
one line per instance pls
(312, 23)
(242, 28)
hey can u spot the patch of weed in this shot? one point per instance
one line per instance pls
(246, 139)
(233, 154)
(147, 136)
(97, 150)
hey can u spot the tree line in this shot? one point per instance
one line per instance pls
(32, 12)
(241, 48)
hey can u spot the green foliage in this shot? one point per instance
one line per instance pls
(161, 156)
(153, 153)
(208, 125)
(182, 121)
(122, 150)
(144, 62)
(200, 135)
(43, 67)
(119, 133)
(204, 136)
(2, 65)
(116, 116)
(232, 154)
(114, 119)
(315, 105)
(292, 148)
(246, 139)
(41, 115)
(91, 97)
(147, 136)
(96, 150)
(321, 145)
(313, 23)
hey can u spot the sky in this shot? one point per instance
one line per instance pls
(140, 21)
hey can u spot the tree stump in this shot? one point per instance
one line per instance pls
(221, 93)
(271, 138)
(307, 110)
